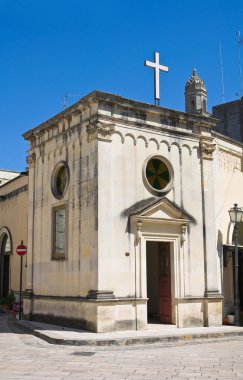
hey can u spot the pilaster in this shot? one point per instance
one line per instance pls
(101, 133)
(207, 148)
(31, 161)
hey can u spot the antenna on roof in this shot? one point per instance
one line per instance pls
(222, 71)
(66, 98)
(239, 43)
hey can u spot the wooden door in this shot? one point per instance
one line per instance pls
(165, 310)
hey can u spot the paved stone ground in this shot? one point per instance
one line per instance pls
(25, 357)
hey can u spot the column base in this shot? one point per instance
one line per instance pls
(100, 295)
(212, 293)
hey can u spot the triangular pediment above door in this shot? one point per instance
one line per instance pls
(154, 208)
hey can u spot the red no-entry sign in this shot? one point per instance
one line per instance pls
(21, 250)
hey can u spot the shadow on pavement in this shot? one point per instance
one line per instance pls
(8, 324)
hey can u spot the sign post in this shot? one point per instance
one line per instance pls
(21, 250)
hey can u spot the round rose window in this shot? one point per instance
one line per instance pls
(158, 174)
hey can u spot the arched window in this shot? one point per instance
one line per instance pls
(204, 105)
(6, 245)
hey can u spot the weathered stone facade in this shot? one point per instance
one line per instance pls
(113, 216)
(128, 216)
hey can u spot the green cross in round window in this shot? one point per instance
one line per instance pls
(157, 174)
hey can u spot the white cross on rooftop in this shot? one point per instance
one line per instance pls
(157, 67)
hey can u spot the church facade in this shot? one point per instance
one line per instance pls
(128, 215)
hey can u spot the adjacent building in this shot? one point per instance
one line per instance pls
(7, 175)
(13, 229)
(230, 117)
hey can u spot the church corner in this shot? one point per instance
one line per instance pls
(127, 206)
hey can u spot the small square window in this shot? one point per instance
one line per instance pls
(59, 233)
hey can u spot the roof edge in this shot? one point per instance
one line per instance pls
(106, 96)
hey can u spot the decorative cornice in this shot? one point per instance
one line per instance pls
(207, 148)
(230, 151)
(30, 159)
(13, 193)
(100, 130)
(127, 104)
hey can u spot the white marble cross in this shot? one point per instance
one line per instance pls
(157, 67)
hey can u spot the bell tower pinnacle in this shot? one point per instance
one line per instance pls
(196, 95)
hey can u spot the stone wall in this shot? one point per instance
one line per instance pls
(13, 219)
(231, 119)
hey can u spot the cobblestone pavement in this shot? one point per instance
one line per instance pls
(23, 356)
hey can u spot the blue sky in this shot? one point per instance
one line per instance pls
(49, 47)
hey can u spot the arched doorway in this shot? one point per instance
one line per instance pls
(5, 252)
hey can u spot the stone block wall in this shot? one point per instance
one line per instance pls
(231, 119)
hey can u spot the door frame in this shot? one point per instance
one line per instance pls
(177, 268)
(152, 251)
(161, 221)
(173, 244)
